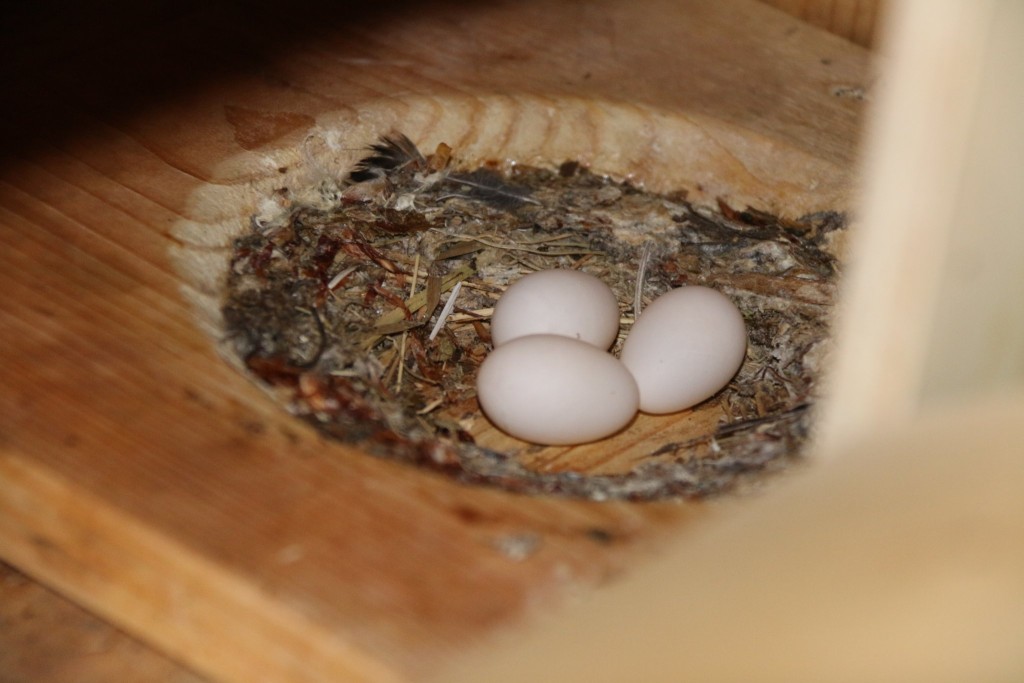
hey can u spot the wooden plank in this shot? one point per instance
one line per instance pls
(44, 638)
(147, 480)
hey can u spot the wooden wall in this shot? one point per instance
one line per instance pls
(855, 20)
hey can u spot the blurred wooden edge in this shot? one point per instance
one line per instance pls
(900, 561)
(931, 309)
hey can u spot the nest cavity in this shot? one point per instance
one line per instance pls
(337, 306)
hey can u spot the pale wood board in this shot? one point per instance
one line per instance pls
(149, 481)
(932, 311)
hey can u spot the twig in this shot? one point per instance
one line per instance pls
(641, 275)
(336, 280)
(568, 250)
(470, 316)
(430, 406)
(445, 312)
(418, 300)
(405, 334)
(321, 331)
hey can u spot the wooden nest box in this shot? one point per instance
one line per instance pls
(146, 478)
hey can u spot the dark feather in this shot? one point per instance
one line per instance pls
(391, 153)
(488, 186)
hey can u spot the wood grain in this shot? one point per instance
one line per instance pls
(149, 481)
(44, 638)
(855, 20)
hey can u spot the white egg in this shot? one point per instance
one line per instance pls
(555, 390)
(684, 348)
(563, 302)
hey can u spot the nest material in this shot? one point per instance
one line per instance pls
(337, 307)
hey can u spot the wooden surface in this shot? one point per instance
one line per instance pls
(44, 638)
(150, 482)
(856, 20)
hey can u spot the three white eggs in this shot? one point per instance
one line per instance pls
(550, 379)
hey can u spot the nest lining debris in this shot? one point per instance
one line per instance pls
(366, 311)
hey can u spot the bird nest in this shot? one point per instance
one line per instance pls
(365, 311)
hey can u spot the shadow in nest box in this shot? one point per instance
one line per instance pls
(363, 301)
